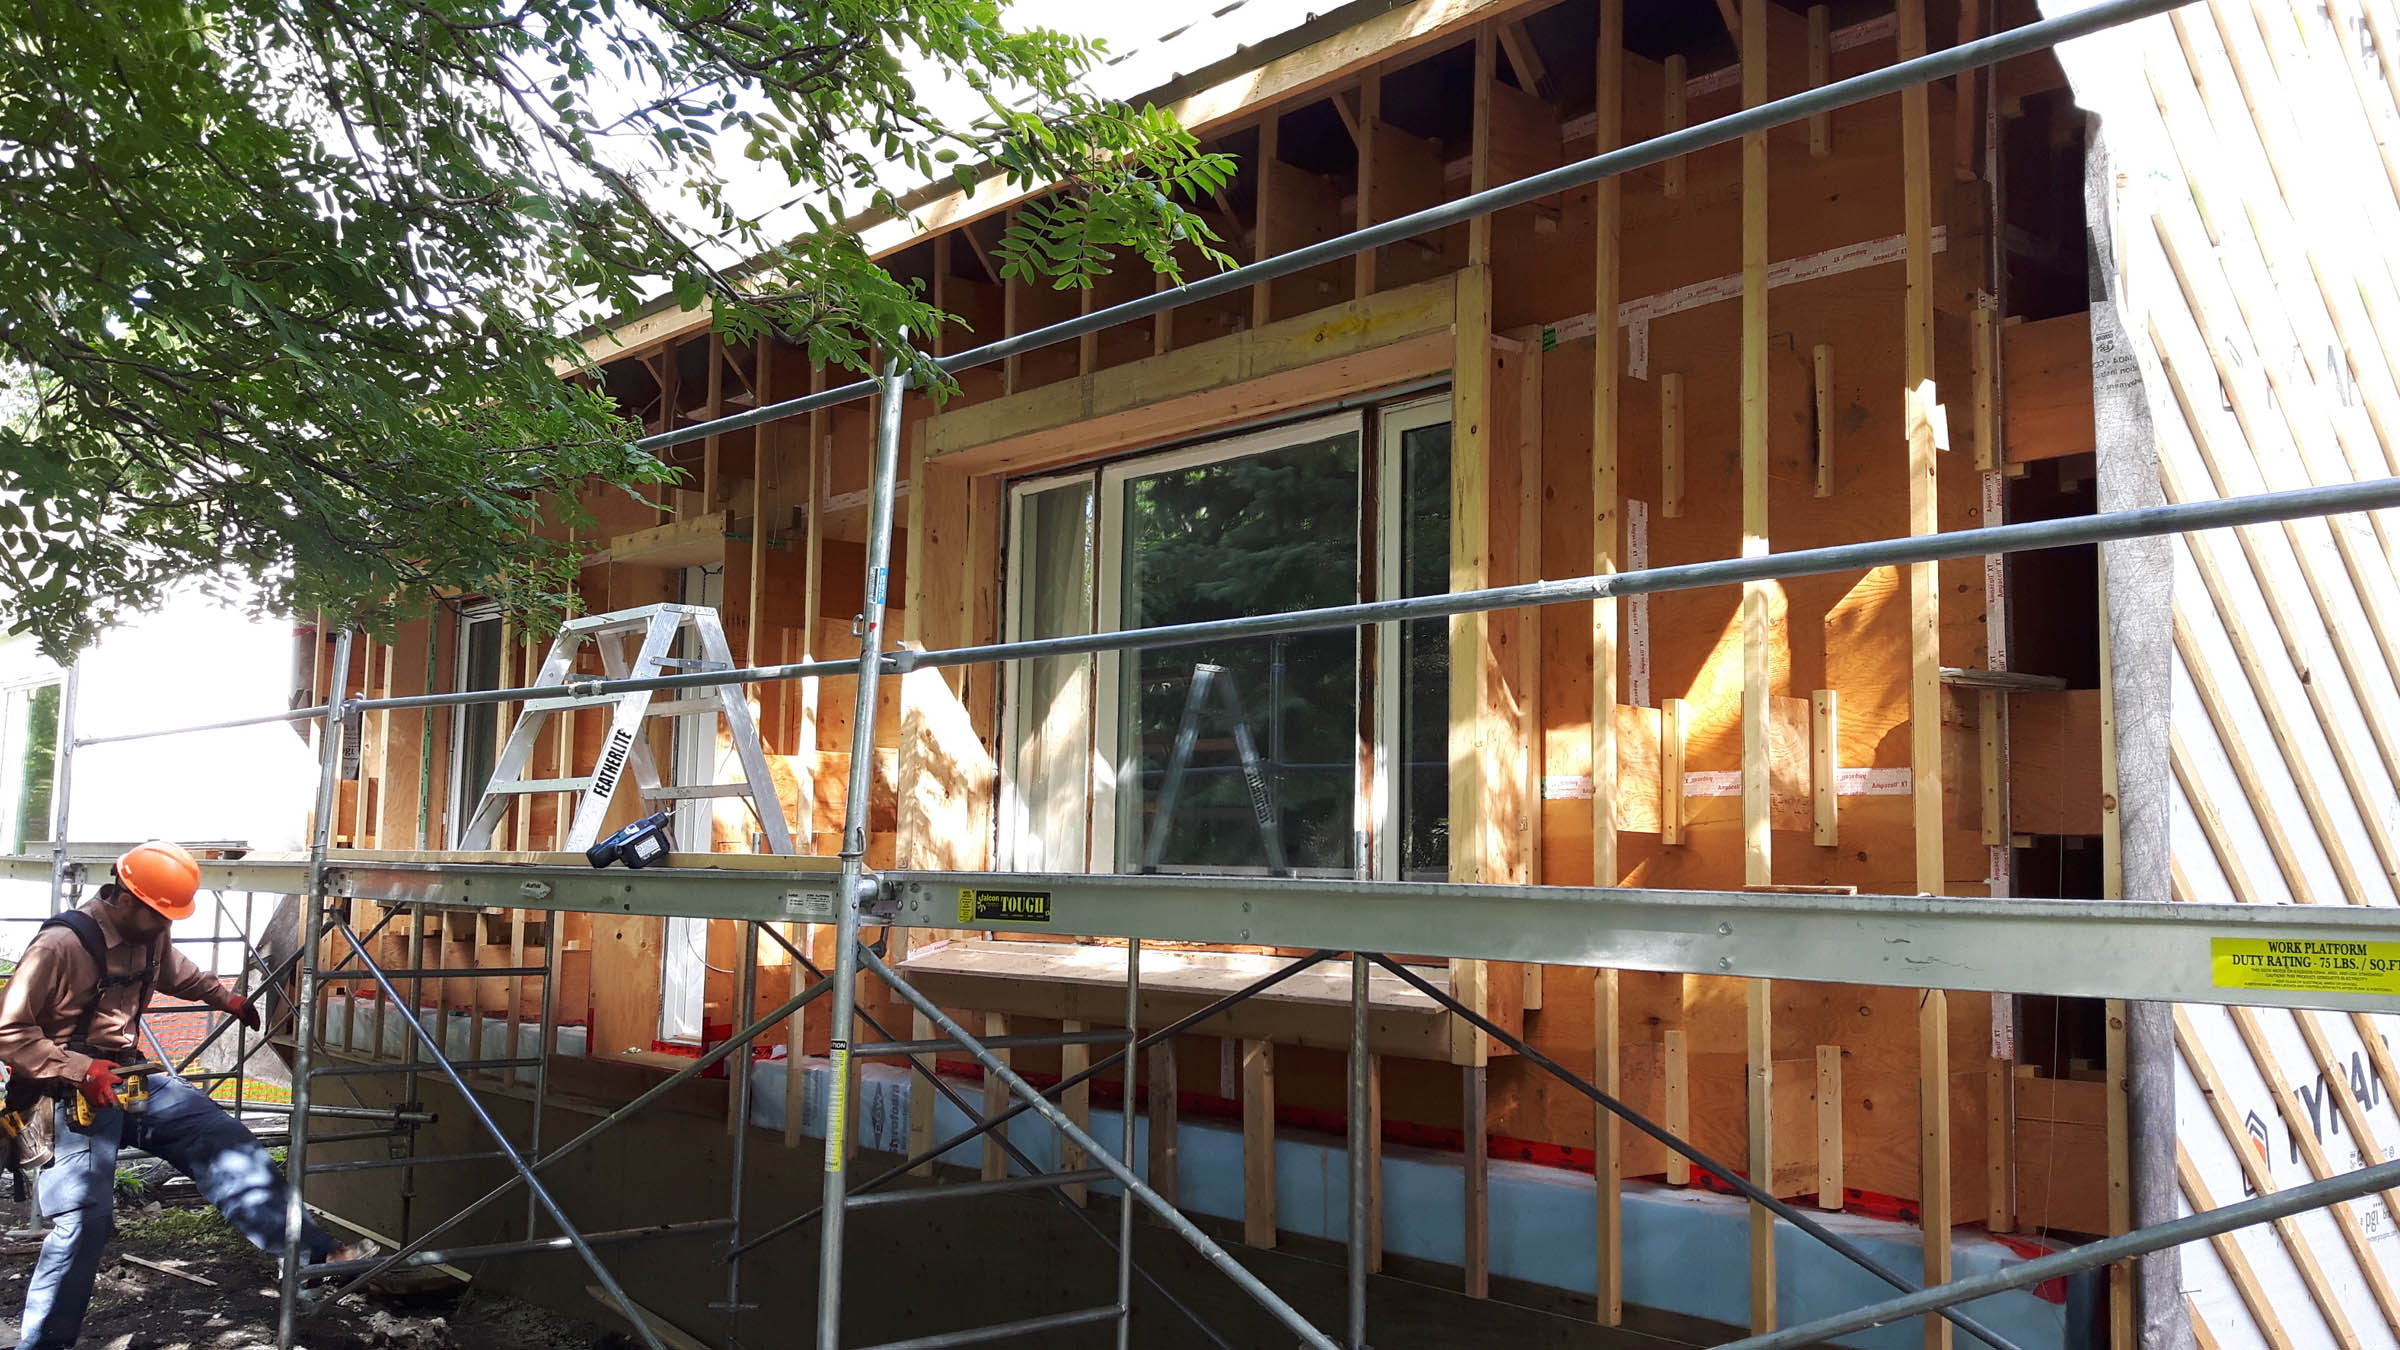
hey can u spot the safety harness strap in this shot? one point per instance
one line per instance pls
(87, 931)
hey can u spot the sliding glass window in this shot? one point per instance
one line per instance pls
(1267, 755)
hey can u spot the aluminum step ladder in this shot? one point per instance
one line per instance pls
(659, 627)
(1214, 683)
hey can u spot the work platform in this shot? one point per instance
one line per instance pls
(2182, 953)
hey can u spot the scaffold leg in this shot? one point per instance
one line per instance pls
(516, 1160)
(614, 1118)
(1135, 1188)
(982, 1125)
(973, 1111)
(1740, 1183)
(304, 1022)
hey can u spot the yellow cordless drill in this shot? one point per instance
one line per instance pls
(133, 1093)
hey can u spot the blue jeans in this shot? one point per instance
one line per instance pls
(78, 1195)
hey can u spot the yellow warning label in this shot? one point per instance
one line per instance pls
(2308, 965)
(837, 1106)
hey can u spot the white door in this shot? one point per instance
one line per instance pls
(475, 728)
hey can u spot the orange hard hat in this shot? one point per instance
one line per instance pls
(161, 875)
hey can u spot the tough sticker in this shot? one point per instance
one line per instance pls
(976, 906)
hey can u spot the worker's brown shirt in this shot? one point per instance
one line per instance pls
(55, 980)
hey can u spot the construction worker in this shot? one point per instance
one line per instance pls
(71, 1019)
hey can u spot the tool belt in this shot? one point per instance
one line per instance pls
(29, 1129)
(29, 1117)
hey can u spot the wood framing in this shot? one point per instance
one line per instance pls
(1608, 1163)
(1750, 348)
(995, 1100)
(1383, 340)
(1829, 1127)
(1758, 866)
(1164, 1089)
(1924, 625)
(1313, 69)
(1077, 1101)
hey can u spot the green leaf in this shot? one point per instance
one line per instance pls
(310, 282)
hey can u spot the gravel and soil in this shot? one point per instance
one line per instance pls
(139, 1307)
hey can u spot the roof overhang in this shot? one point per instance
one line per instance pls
(1318, 54)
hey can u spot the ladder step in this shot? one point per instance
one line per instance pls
(670, 794)
(546, 705)
(523, 786)
(612, 623)
(692, 663)
(684, 707)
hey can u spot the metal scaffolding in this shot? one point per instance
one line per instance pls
(2126, 950)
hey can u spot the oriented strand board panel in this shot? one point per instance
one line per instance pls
(1839, 631)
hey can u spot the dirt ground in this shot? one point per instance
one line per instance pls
(135, 1307)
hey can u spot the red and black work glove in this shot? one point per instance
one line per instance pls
(243, 1011)
(99, 1084)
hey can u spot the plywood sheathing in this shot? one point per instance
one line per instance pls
(1667, 245)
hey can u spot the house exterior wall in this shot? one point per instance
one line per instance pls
(1746, 386)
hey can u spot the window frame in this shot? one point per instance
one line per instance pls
(465, 796)
(1108, 596)
(1015, 578)
(1392, 424)
(1381, 429)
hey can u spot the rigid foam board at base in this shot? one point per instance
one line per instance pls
(1541, 1217)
